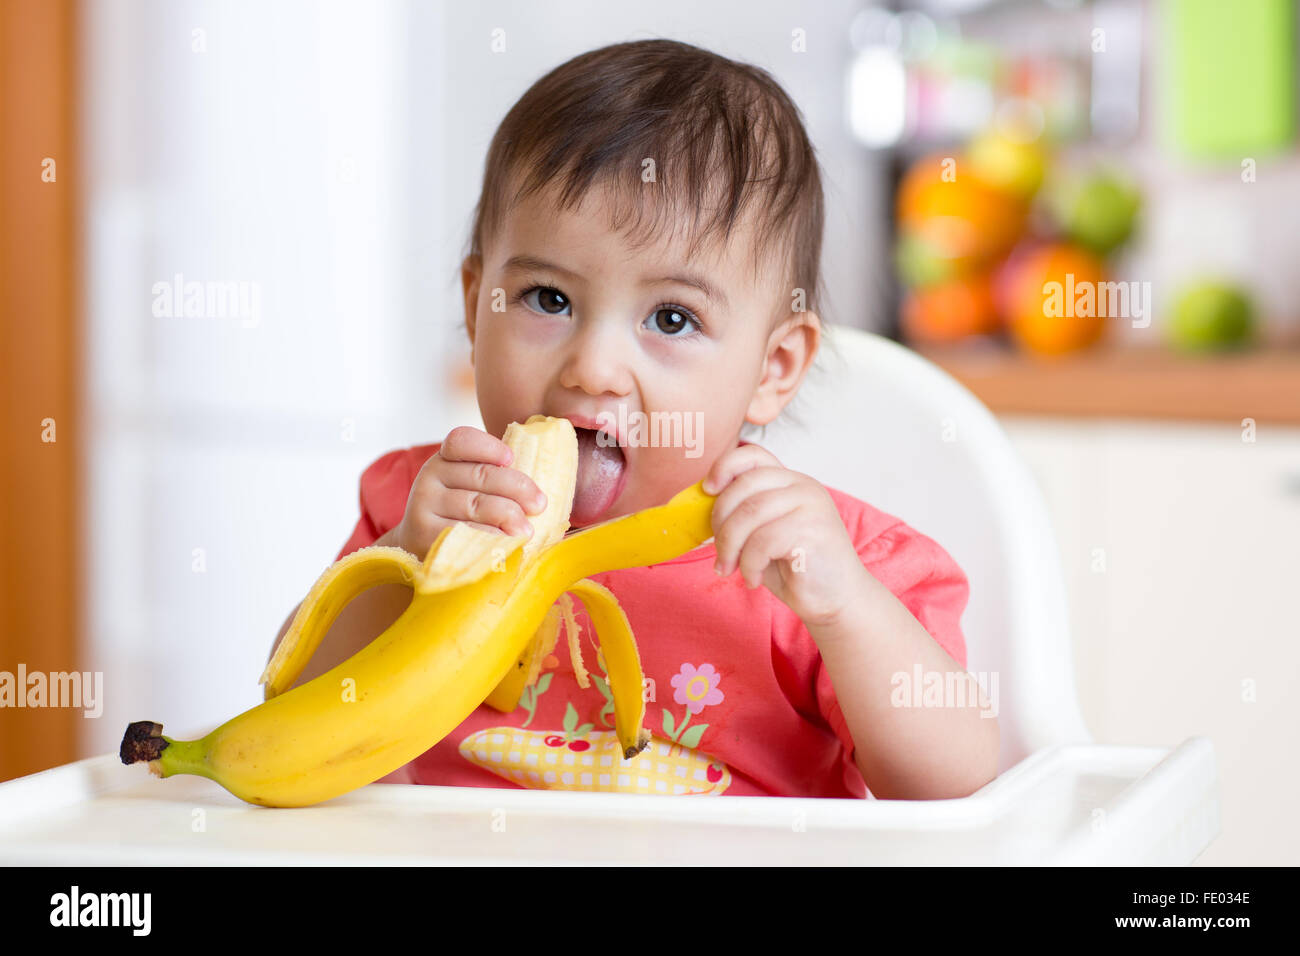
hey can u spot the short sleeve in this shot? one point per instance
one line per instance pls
(926, 581)
(385, 487)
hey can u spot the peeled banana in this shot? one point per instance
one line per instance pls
(481, 612)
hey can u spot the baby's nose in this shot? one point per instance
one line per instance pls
(598, 364)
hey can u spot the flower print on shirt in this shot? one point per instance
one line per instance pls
(695, 688)
(582, 758)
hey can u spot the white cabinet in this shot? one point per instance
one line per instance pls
(296, 156)
(1181, 550)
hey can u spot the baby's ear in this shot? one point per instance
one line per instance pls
(471, 274)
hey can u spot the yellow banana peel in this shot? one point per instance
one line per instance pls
(482, 615)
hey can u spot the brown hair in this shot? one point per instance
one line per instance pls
(723, 136)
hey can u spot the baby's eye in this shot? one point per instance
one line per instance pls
(670, 319)
(550, 301)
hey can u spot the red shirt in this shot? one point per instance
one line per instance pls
(739, 701)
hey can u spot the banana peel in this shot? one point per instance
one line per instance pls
(482, 616)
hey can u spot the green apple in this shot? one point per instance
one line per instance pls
(1097, 210)
(1211, 316)
(922, 262)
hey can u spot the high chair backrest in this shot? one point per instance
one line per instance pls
(887, 426)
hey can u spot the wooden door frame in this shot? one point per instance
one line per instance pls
(42, 569)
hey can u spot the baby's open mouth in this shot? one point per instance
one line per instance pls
(602, 471)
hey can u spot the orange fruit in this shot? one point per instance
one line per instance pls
(1014, 164)
(1049, 298)
(950, 311)
(971, 220)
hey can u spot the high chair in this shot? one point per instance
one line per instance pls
(885, 425)
(888, 426)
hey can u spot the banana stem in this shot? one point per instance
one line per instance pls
(144, 742)
(185, 756)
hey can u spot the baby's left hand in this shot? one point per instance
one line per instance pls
(782, 529)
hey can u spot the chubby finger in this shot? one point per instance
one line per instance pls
(747, 517)
(770, 542)
(481, 508)
(466, 443)
(734, 462)
(745, 484)
(496, 480)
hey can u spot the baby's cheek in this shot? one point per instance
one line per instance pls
(662, 472)
(508, 377)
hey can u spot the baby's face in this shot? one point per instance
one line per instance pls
(671, 355)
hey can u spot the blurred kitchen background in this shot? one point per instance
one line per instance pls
(174, 484)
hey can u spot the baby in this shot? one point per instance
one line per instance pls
(647, 241)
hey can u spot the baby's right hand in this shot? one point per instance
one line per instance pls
(469, 479)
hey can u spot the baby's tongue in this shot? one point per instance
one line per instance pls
(600, 470)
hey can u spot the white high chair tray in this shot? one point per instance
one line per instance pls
(1069, 804)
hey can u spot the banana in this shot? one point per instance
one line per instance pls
(528, 668)
(546, 449)
(476, 612)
